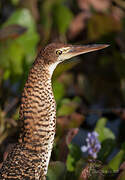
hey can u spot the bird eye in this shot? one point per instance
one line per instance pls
(58, 52)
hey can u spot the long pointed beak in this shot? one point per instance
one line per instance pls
(77, 50)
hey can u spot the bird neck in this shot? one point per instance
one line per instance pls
(38, 108)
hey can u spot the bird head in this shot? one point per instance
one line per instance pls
(55, 53)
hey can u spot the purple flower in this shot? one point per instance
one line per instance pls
(93, 145)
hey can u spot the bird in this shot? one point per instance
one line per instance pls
(30, 156)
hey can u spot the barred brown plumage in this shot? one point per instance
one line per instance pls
(29, 158)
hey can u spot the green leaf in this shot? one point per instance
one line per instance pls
(6, 74)
(63, 17)
(11, 57)
(13, 51)
(16, 53)
(67, 107)
(29, 40)
(56, 171)
(104, 133)
(100, 124)
(106, 149)
(59, 90)
(116, 161)
(73, 157)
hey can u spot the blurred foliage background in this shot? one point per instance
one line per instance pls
(89, 91)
